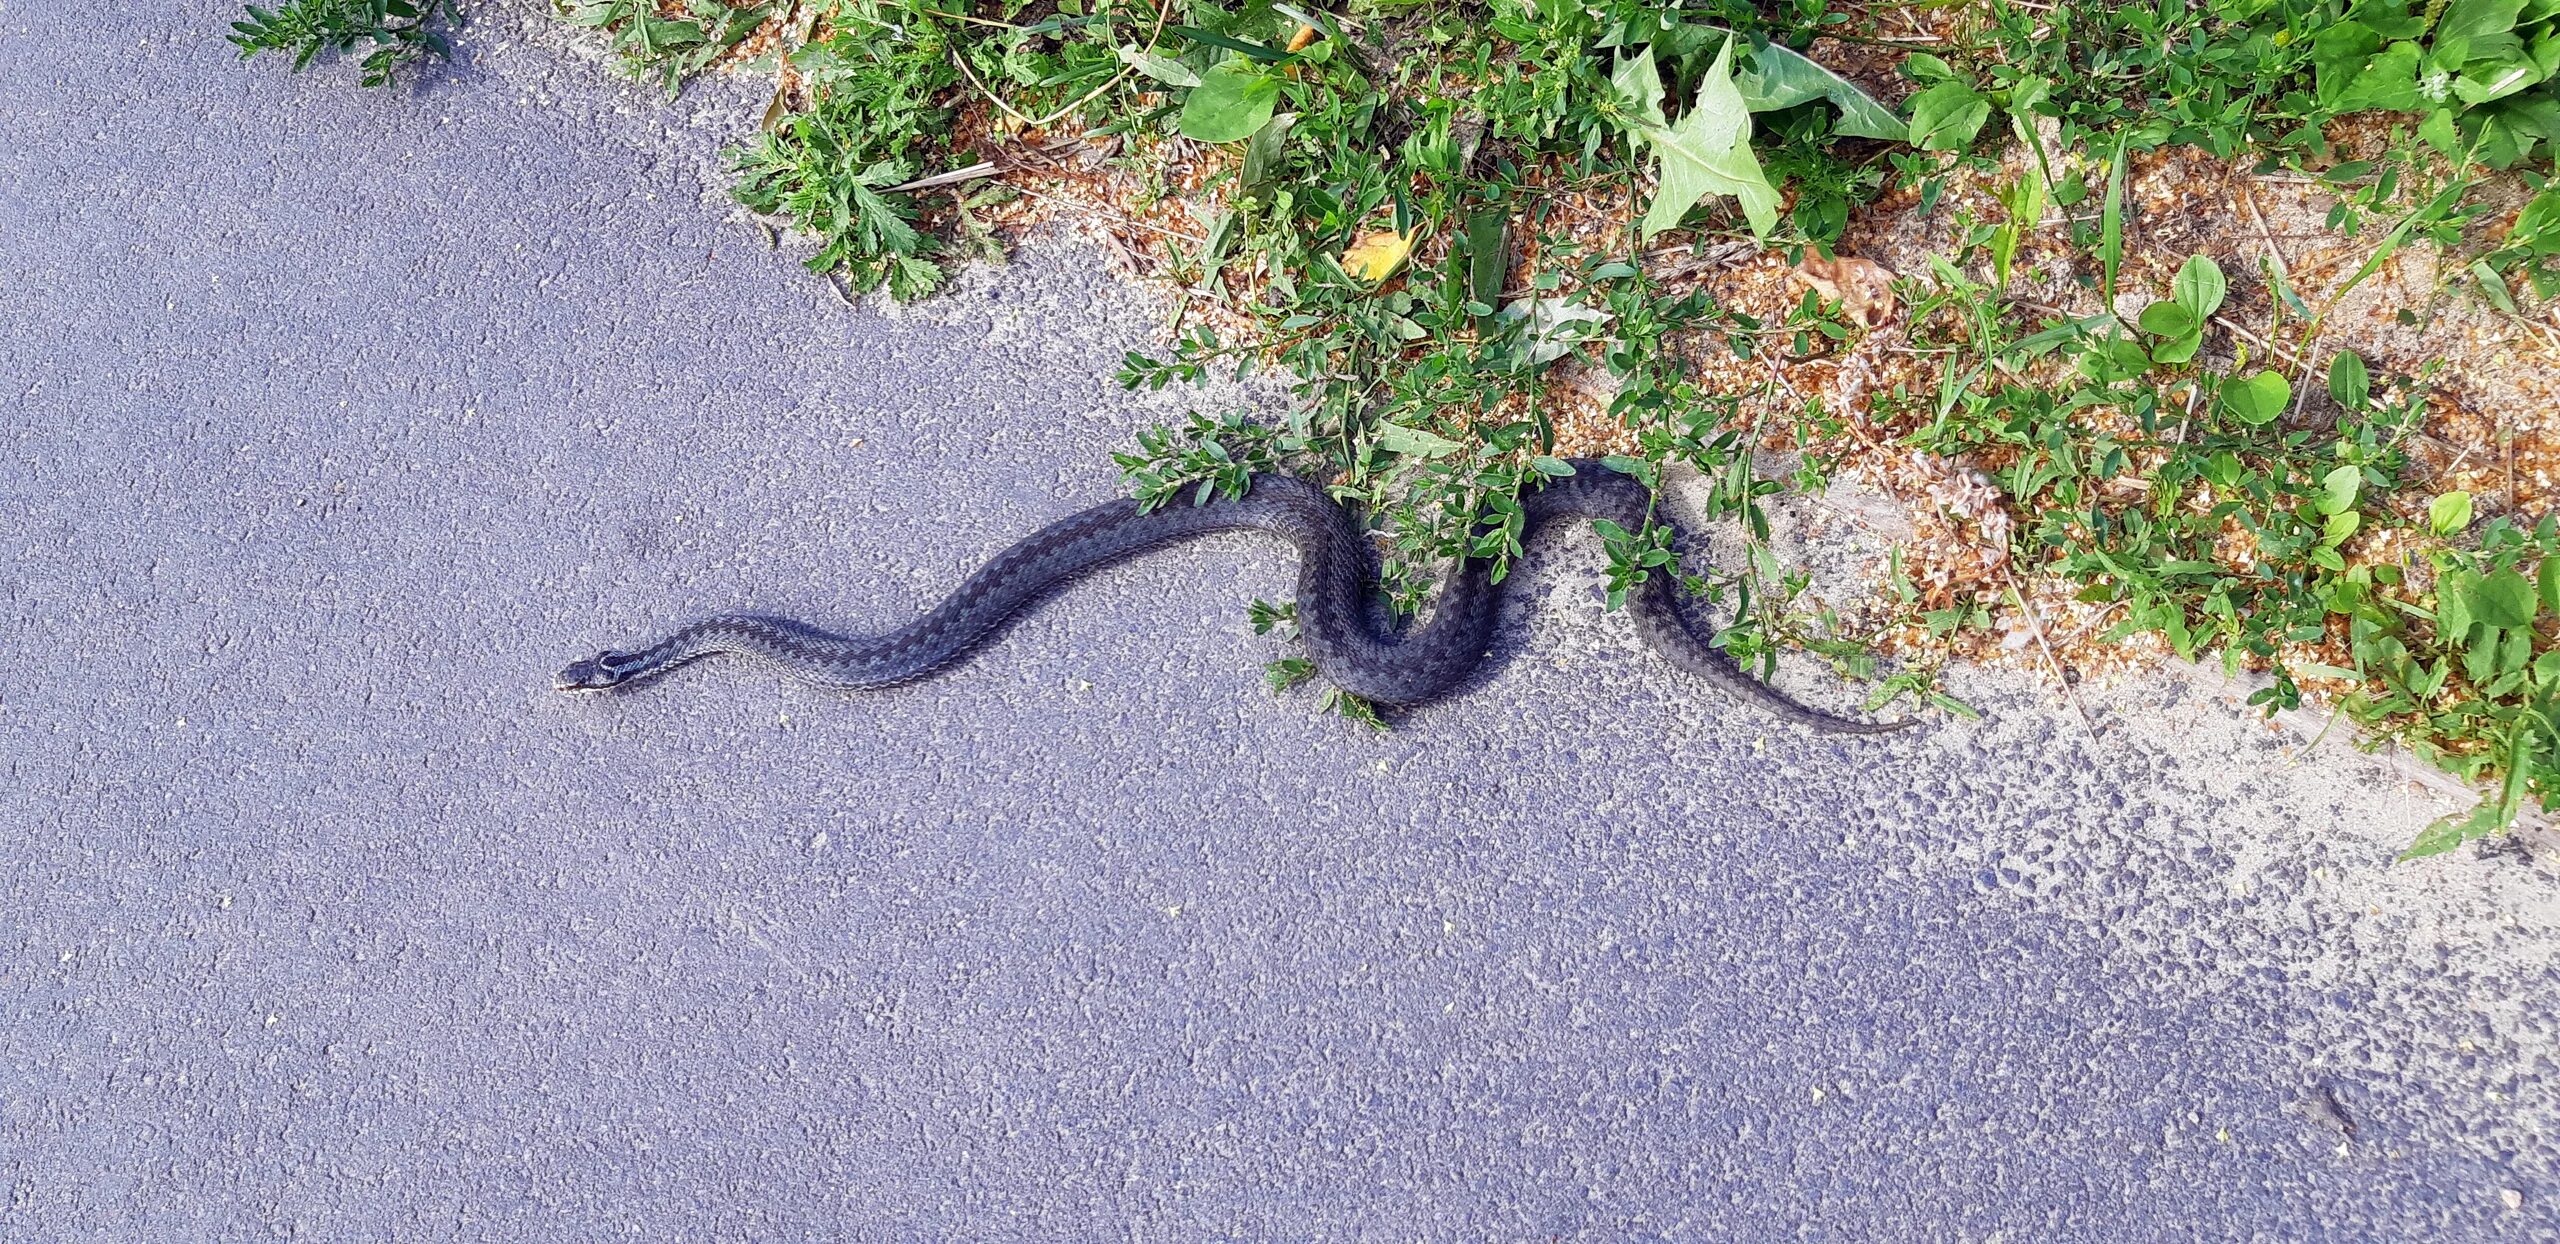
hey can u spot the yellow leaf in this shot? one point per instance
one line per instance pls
(1377, 255)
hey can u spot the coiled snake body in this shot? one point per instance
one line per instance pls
(1336, 583)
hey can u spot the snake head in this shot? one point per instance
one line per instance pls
(602, 672)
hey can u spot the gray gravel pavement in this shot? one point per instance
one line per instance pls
(331, 423)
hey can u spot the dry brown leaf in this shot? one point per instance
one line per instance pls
(1862, 287)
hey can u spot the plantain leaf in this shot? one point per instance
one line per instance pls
(1233, 100)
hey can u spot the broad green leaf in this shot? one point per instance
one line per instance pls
(2453, 607)
(1233, 100)
(2483, 81)
(2200, 287)
(2449, 513)
(2438, 131)
(2178, 350)
(1779, 77)
(1946, 117)
(1158, 66)
(1639, 86)
(2339, 54)
(2349, 383)
(1709, 152)
(2548, 580)
(2471, 22)
(1396, 438)
(1263, 151)
(2167, 319)
(2335, 531)
(2338, 490)
(2388, 82)
(2504, 599)
(2258, 399)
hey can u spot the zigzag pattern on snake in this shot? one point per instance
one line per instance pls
(1337, 584)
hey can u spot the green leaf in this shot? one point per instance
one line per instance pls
(1488, 254)
(1709, 152)
(2339, 54)
(2453, 608)
(2388, 82)
(2177, 350)
(1233, 100)
(2504, 599)
(2493, 814)
(1552, 468)
(1260, 52)
(2548, 580)
(2537, 227)
(1263, 151)
(1639, 87)
(2259, 399)
(2493, 286)
(2335, 531)
(2338, 489)
(1779, 77)
(1158, 66)
(1630, 466)
(2455, 830)
(1398, 439)
(2472, 21)
(1946, 117)
(2437, 131)
(2349, 383)
(2449, 513)
(2111, 222)
(2167, 319)
(1553, 327)
(2200, 287)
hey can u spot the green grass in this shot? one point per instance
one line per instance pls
(396, 32)
(1397, 166)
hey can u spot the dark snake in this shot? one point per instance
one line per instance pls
(1337, 585)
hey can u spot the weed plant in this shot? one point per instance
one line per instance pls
(1406, 203)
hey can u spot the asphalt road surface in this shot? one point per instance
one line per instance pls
(333, 422)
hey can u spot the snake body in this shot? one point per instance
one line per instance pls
(1336, 586)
